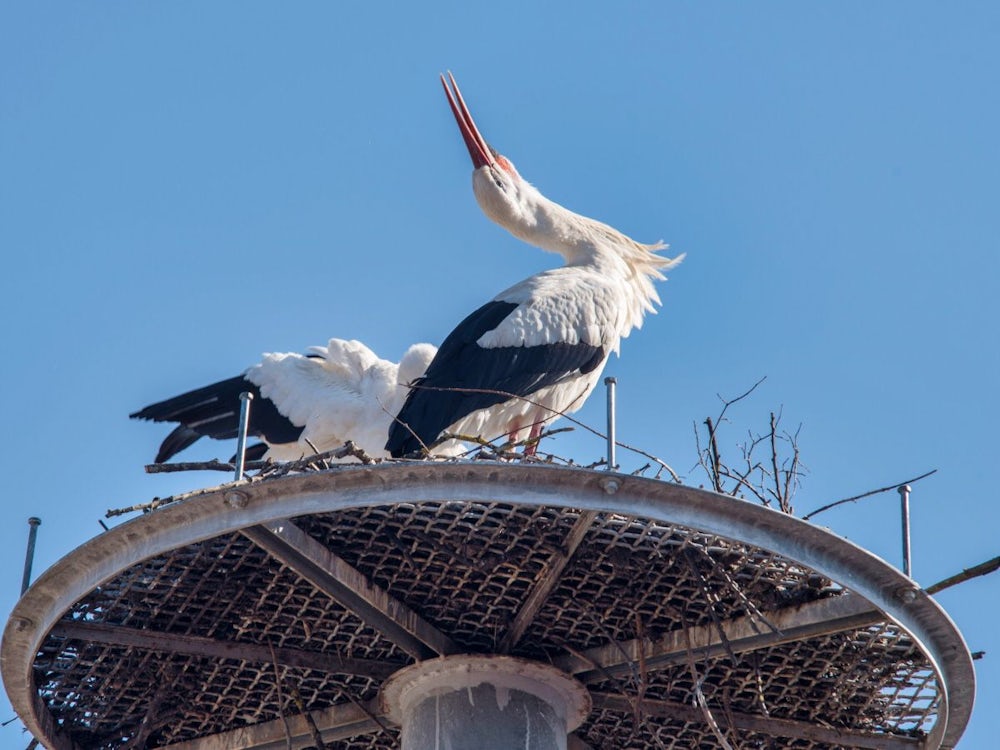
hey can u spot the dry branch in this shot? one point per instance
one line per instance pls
(347, 449)
(310, 721)
(281, 697)
(699, 697)
(974, 572)
(774, 480)
(213, 465)
(807, 516)
(557, 413)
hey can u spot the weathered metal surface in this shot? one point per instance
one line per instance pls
(284, 541)
(546, 582)
(463, 545)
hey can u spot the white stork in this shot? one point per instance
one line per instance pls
(302, 404)
(537, 349)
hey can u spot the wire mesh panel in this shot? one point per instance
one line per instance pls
(685, 638)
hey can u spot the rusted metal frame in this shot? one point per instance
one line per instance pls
(547, 580)
(817, 618)
(152, 715)
(334, 723)
(786, 728)
(215, 512)
(192, 645)
(335, 577)
(56, 736)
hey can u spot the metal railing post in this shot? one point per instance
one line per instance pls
(241, 444)
(29, 555)
(904, 497)
(611, 383)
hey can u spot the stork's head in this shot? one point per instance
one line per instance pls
(414, 363)
(501, 192)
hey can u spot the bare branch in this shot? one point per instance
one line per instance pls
(699, 696)
(974, 572)
(281, 697)
(782, 500)
(741, 481)
(213, 465)
(868, 494)
(556, 413)
(144, 507)
(726, 404)
(310, 721)
(791, 476)
(349, 448)
(716, 459)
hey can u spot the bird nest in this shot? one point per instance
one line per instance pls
(685, 638)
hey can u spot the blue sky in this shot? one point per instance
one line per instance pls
(184, 186)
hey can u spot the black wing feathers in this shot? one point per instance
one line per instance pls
(480, 377)
(214, 411)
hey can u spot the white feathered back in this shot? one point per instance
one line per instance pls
(342, 391)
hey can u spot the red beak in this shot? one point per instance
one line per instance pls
(479, 150)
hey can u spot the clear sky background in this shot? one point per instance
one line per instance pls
(184, 186)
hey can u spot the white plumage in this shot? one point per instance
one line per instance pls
(342, 392)
(538, 348)
(303, 404)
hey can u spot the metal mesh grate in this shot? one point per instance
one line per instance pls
(467, 568)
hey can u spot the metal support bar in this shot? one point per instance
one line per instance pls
(335, 577)
(547, 580)
(611, 383)
(818, 618)
(335, 723)
(29, 555)
(241, 440)
(787, 728)
(96, 632)
(904, 500)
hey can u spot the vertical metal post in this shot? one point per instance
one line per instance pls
(904, 497)
(611, 383)
(241, 442)
(29, 555)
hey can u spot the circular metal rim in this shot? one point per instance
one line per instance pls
(228, 508)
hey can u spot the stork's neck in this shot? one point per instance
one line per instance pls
(522, 210)
(580, 240)
(586, 242)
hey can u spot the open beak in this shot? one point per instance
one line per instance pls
(479, 150)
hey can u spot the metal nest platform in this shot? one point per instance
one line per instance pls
(240, 616)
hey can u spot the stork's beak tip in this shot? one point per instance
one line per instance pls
(479, 150)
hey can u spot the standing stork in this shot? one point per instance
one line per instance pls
(537, 349)
(302, 404)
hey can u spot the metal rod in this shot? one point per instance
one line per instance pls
(904, 497)
(241, 445)
(611, 383)
(29, 555)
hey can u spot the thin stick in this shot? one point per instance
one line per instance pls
(716, 458)
(281, 697)
(700, 699)
(347, 449)
(974, 572)
(213, 465)
(310, 722)
(782, 500)
(562, 414)
(868, 494)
